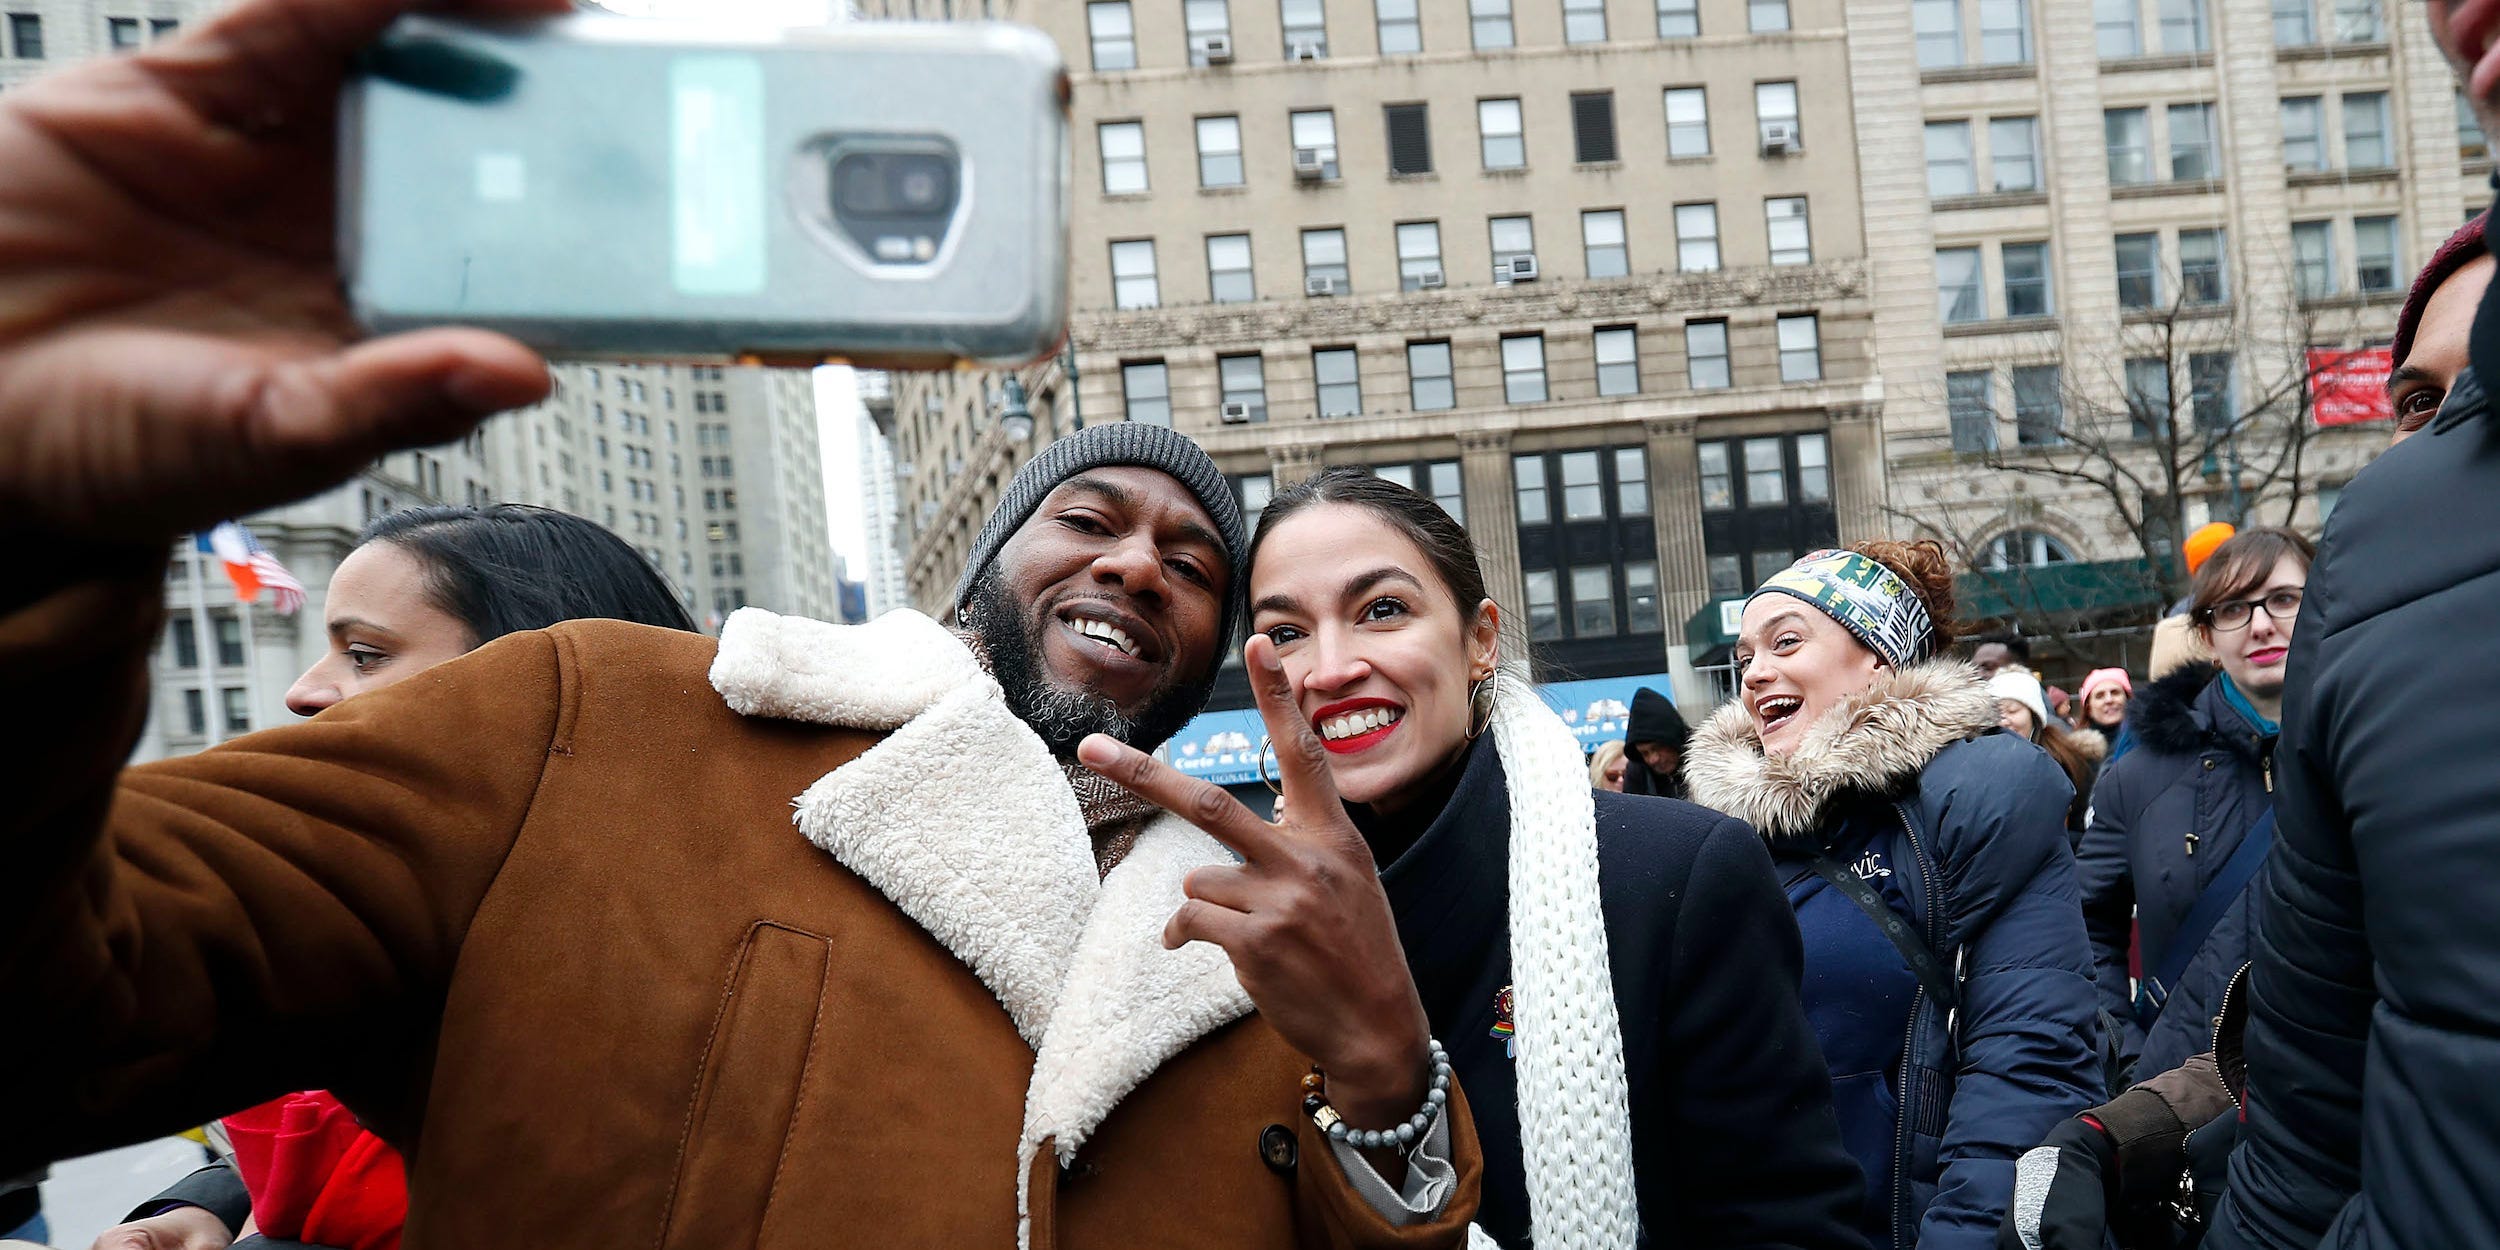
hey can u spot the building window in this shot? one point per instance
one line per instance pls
(1490, 20)
(1592, 601)
(1340, 385)
(1602, 247)
(1123, 157)
(1766, 17)
(2192, 142)
(1949, 160)
(1204, 20)
(1801, 348)
(1505, 144)
(1705, 355)
(1588, 546)
(2201, 279)
(1960, 298)
(2116, 29)
(1401, 30)
(1316, 130)
(2374, 253)
(1618, 361)
(1410, 138)
(1514, 238)
(2304, 139)
(26, 41)
(1253, 490)
(1323, 256)
(1544, 607)
(1938, 27)
(2210, 391)
(1766, 477)
(1419, 254)
(1584, 21)
(1528, 484)
(1133, 274)
(1228, 269)
(195, 712)
(1641, 613)
(1592, 127)
(2139, 271)
(2472, 143)
(2039, 406)
(1718, 479)
(1244, 380)
(228, 630)
(1114, 33)
(2365, 131)
(1219, 152)
(2183, 26)
(1306, 28)
(1429, 385)
(1696, 237)
(121, 32)
(1523, 368)
(2358, 21)
(1679, 19)
(1775, 104)
(1436, 480)
(2129, 140)
(1971, 405)
(1814, 469)
(186, 643)
(2313, 258)
(2026, 279)
(1146, 388)
(2023, 549)
(1688, 122)
(2148, 395)
(2004, 32)
(1791, 242)
(2014, 153)
(2294, 25)
(1584, 492)
(237, 705)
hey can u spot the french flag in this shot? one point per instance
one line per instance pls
(251, 568)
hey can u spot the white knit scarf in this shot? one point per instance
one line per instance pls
(1575, 1116)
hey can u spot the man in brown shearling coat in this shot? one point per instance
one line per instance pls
(813, 938)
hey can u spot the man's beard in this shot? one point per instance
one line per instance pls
(1062, 717)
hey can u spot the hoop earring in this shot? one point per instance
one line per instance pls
(1479, 707)
(1273, 787)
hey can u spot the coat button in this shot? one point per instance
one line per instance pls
(1278, 1149)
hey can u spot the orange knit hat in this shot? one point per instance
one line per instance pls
(2202, 543)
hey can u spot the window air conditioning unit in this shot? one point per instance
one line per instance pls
(1308, 50)
(1236, 412)
(1523, 268)
(1310, 164)
(1430, 280)
(1321, 286)
(1217, 49)
(1780, 139)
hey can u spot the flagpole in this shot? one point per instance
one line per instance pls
(251, 671)
(200, 642)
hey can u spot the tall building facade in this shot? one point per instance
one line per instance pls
(1590, 273)
(880, 500)
(36, 35)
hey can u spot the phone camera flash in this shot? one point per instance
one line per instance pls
(501, 177)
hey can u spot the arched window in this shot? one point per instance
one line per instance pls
(2016, 549)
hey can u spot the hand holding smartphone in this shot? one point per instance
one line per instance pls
(890, 194)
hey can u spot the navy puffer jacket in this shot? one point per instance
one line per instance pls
(1972, 822)
(2374, 1001)
(2199, 777)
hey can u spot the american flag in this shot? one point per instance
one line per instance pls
(251, 567)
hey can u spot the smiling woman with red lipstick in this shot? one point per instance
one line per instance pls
(1687, 1104)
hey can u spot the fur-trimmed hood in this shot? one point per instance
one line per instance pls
(2177, 715)
(1868, 744)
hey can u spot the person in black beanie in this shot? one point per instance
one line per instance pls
(1654, 747)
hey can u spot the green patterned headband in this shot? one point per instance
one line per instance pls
(1869, 600)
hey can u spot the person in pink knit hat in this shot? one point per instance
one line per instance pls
(2105, 694)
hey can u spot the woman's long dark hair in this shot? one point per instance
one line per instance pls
(1442, 540)
(508, 567)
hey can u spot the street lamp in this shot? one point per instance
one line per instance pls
(1013, 415)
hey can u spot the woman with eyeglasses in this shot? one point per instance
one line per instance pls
(2172, 818)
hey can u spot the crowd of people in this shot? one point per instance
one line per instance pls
(556, 923)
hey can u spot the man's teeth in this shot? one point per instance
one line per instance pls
(1109, 633)
(1353, 724)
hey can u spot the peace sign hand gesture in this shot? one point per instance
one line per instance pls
(1303, 916)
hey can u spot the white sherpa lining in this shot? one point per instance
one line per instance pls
(1866, 743)
(962, 818)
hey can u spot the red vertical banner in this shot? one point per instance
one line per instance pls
(2349, 387)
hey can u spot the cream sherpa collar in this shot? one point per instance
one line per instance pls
(1868, 743)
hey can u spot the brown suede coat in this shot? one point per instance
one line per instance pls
(557, 921)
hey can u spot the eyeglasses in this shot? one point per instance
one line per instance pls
(2282, 605)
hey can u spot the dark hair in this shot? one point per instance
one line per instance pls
(2241, 565)
(1443, 542)
(1929, 572)
(2012, 640)
(508, 567)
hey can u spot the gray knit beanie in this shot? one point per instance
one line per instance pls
(1118, 443)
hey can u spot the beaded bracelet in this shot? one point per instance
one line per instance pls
(1315, 1101)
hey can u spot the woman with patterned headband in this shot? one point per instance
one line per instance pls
(1947, 975)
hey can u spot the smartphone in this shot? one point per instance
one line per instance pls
(884, 193)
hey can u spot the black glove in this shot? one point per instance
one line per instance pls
(2062, 1191)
